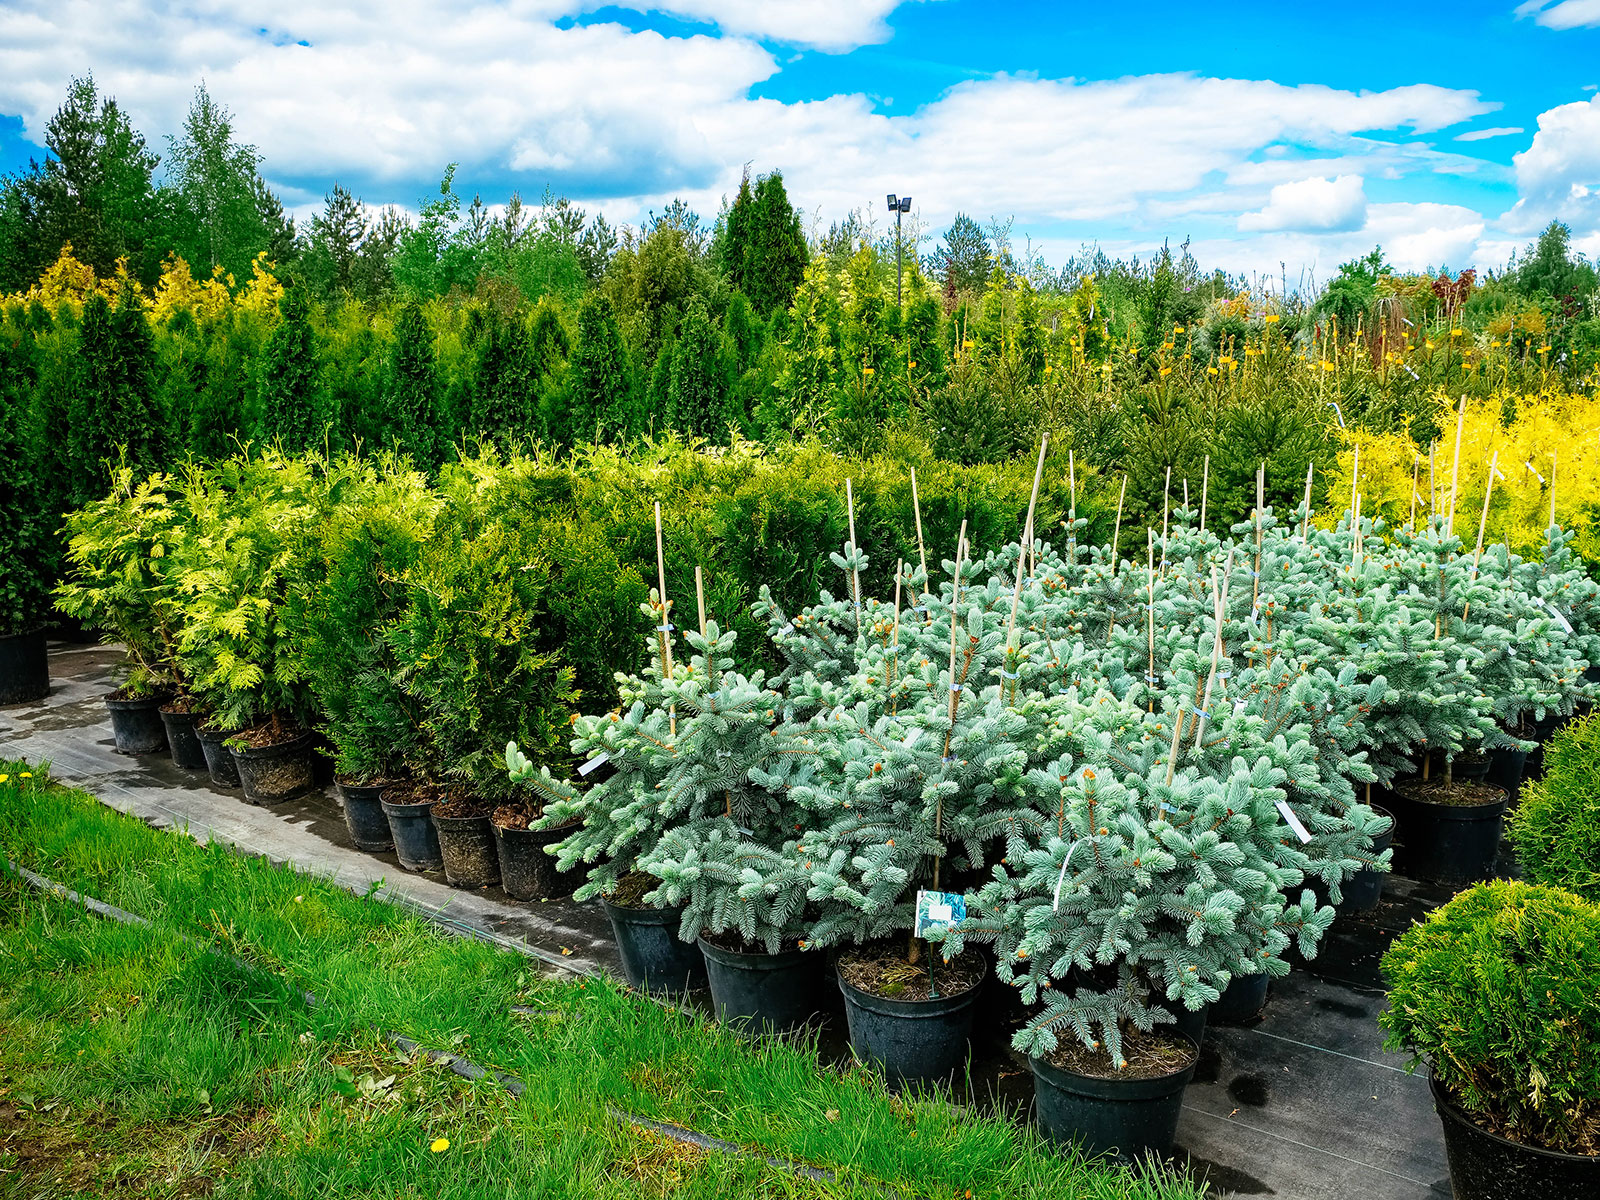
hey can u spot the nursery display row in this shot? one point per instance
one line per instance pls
(1131, 786)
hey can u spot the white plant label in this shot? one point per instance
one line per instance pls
(1294, 821)
(1556, 613)
(599, 760)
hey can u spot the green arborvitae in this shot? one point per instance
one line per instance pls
(600, 378)
(26, 524)
(733, 241)
(117, 412)
(504, 399)
(699, 384)
(776, 260)
(413, 401)
(287, 381)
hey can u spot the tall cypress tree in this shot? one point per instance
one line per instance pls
(116, 407)
(600, 383)
(286, 382)
(776, 261)
(699, 387)
(503, 396)
(733, 245)
(414, 388)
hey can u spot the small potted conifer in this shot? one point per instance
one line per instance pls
(1499, 991)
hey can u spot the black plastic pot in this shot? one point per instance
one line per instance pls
(1471, 768)
(270, 774)
(1452, 843)
(1505, 770)
(223, 769)
(416, 841)
(653, 959)
(910, 1040)
(1242, 1000)
(1364, 889)
(768, 992)
(183, 741)
(470, 857)
(24, 668)
(1130, 1117)
(363, 816)
(1189, 1022)
(136, 725)
(1486, 1166)
(526, 871)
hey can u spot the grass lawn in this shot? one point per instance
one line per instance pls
(134, 1062)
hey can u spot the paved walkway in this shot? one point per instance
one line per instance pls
(1305, 1104)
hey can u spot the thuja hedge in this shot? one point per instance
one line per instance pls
(425, 623)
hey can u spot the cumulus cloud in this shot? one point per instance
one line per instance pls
(1566, 14)
(1321, 204)
(829, 25)
(1478, 135)
(1558, 175)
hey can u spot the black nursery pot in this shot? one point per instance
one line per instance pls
(1189, 1022)
(526, 871)
(183, 741)
(653, 959)
(1486, 1166)
(219, 759)
(136, 724)
(910, 1040)
(1364, 889)
(767, 992)
(416, 841)
(1452, 843)
(363, 816)
(1131, 1117)
(1505, 770)
(1242, 1000)
(270, 774)
(468, 847)
(24, 667)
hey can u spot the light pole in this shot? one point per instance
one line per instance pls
(898, 205)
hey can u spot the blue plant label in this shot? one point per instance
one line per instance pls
(938, 910)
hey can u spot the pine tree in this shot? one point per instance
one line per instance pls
(332, 252)
(413, 394)
(965, 256)
(287, 384)
(698, 390)
(600, 382)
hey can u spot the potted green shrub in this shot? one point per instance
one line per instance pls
(255, 520)
(26, 527)
(355, 589)
(1499, 991)
(469, 659)
(1555, 827)
(122, 552)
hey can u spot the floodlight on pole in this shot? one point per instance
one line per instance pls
(898, 205)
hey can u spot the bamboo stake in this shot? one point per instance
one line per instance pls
(1261, 501)
(1027, 527)
(955, 688)
(894, 644)
(1177, 735)
(855, 572)
(916, 508)
(1552, 489)
(1072, 509)
(1305, 521)
(700, 597)
(1166, 506)
(1205, 483)
(1150, 612)
(665, 629)
(1455, 469)
(1355, 473)
(1416, 466)
(1483, 524)
(1116, 535)
(1219, 591)
(1433, 489)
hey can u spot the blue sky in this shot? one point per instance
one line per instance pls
(1266, 133)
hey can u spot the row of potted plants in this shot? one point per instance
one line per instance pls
(1136, 785)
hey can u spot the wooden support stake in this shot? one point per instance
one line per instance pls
(955, 688)
(1205, 484)
(1483, 524)
(1150, 611)
(1455, 470)
(1552, 489)
(1261, 502)
(1166, 506)
(665, 629)
(1305, 520)
(1355, 474)
(700, 597)
(1433, 488)
(894, 643)
(1416, 467)
(1116, 534)
(1027, 528)
(855, 572)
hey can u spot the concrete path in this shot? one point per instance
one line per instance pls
(1304, 1104)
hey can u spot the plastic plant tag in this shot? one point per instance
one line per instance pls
(1294, 821)
(599, 760)
(1554, 612)
(938, 910)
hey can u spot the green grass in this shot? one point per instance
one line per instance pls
(133, 1061)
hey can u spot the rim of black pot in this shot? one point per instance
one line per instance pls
(1443, 1099)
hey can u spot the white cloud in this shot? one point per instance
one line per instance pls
(829, 25)
(1478, 135)
(1319, 204)
(1558, 175)
(1567, 14)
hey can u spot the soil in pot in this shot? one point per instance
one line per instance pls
(653, 958)
(1450, 831)
(220, 765)
(136, 722)
(911, 1022)
(466, 840)
(1364, 889)
(1081, 1095)
(527, 872)
(408, 808)
(179, 717)
(274, 761)
(363, 814)
(1486, 1166)
(764, 992)
(24, 667)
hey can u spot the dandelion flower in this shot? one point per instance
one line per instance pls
(440, 1145)
(1165, 371)
(5, 779)
(26, 775)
